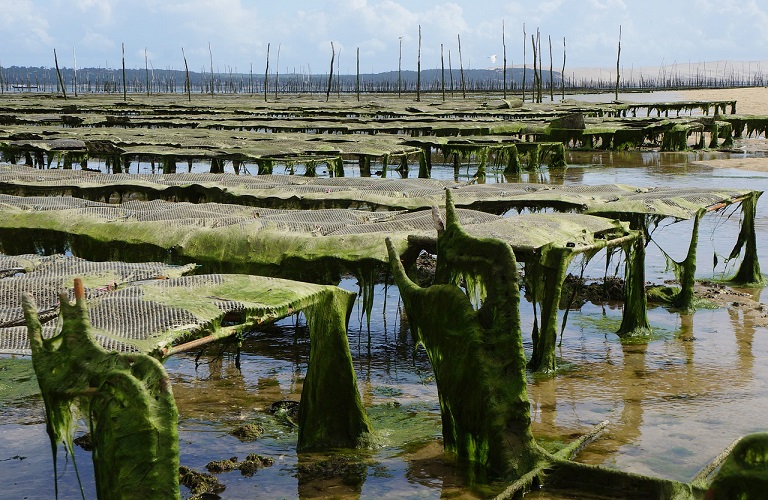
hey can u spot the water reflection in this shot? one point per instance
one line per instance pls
(674, 402)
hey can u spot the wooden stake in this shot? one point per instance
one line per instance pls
(524, 42)
(146, 68)
(125, 98)
(461, 69)
(618, 57)
(357, 76)
(504, 56)
(277, 70)
(400, 69)
(562, 74)
(74, 70)
(61, 80)
(442, 71)
(330, 75)
(210, 53)
(450, 70)
(418, 70)
(266, 73)
(551, 85)
(535, 72)
(187, 84)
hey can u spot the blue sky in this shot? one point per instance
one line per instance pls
(238, 31)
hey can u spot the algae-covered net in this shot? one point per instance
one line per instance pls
(146, 307)
(288, 191)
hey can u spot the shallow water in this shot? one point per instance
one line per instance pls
(673, 403)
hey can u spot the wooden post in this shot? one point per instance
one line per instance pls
(74, 71)
(535, 72)
(277, 70)
(124, 89)
(146, 68)
(330, 75)
(450, 70)
(551, 84)
(357, 76)
(504, 56)
(266, 73)
(187, 84)
(418, 69)
(442, 71)
(400, 69)
(618, 57)
(524, 42)
(562, 74)
(541, 66)
(210, 53)
(461, 69)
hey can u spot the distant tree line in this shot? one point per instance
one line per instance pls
(110, 80)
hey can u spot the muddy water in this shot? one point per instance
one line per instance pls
(673, 402)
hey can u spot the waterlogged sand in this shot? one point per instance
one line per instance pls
(749, 101)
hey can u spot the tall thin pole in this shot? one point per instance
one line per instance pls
(551, 85)
(338, 75)
(442, 71)
(400, 69)
(524, 68)
(74, 66)
(535, 71)
(418, 69)
(210, 53)
(541, 66)
(357, 76)
(618, 56)
(266, 73)
(187, 83)
(504, 56)
(330, 74)
(125, 98)
(461, 69)
(61, 80)
(146, 68)
(277, 70)
(562, 74)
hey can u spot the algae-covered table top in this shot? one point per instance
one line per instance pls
(291, 191)
(145, 307)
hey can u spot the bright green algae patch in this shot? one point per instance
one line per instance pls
(126, 397)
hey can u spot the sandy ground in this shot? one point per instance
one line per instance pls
(749, 101)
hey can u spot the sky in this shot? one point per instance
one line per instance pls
(236, 33)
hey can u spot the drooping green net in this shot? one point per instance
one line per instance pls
(126, 398)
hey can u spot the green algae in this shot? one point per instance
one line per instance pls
(331, 413)
(17, 380)
(749, 270)
(477, 355)
(634, 320)
(744, 473)
(126, 398)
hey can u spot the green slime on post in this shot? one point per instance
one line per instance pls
(126, 397)
(477, 355)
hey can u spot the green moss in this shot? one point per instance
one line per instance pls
(126, 398)
(744, 473)
(331, 413)
(749, 270)
(477, 355)
(634, 321)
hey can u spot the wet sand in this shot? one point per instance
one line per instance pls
(749, 101)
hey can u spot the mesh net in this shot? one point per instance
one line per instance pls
(149, 315)
(389, 193)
